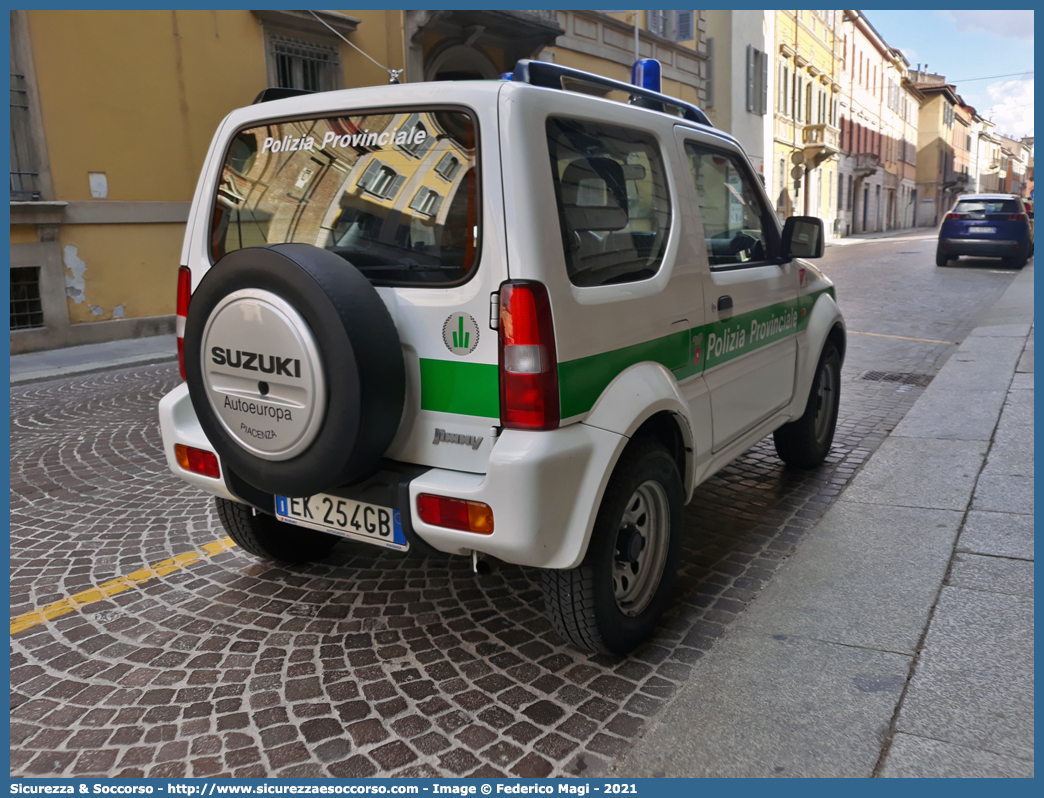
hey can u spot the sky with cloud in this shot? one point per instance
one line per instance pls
(988, 54)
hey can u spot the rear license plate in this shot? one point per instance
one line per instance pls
(982, 230)
(345, 517)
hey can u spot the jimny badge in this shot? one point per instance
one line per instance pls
(460, 333)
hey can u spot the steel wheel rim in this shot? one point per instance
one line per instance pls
(825, 401)
(636, 578)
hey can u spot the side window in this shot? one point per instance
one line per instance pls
(614, 208)
(734, 220)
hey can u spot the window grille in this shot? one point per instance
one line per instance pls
(303, 65)
(26, 308)
(25, 176)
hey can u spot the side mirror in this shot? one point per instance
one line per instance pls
(803, 237)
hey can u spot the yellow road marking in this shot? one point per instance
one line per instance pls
(118, 585)
(904, 338)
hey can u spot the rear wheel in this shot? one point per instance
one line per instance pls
(1017, 262)
(295, 369)
(264, 536)
(941, 258)
(806, 442)
(614, 599)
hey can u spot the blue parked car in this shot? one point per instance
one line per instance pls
(987, 226)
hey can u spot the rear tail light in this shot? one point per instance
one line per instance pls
(1017, 217)
(184, 293)
(528, 362)
(455, 513)
(955, 216)
(198, 461)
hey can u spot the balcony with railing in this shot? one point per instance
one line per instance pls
(867, 163)
(826, 136)
(820, 142)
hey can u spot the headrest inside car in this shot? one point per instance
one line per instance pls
(594, 195)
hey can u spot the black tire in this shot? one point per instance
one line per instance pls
(941, 258)
(358, 354)
(593, 606)
(266, 537)
(806, 442)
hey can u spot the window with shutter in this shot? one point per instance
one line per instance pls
(426, 201)
(411, 127)
(419, 198)
(396, 184)
(686, 26)
(750, 78)
(763, 107)
(709, 83)
(369, 174)
(654, 22)
(447, 166)
(424, 146)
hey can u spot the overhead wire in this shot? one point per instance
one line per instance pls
(393, 74)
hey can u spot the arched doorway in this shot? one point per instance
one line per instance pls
(460, 62)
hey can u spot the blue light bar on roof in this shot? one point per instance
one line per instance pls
(646, 74)
(555, 76)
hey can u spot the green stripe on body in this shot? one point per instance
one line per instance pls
(458, 386)
(473, 389)
(582, 381)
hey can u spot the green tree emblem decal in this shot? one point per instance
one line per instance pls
(460, 333)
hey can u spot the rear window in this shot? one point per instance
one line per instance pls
(395, 194)
(614, 209)
(983, 207)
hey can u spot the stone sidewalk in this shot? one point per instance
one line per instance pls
(898, 640)
(36, 366)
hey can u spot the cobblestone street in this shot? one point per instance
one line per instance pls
(179, 656)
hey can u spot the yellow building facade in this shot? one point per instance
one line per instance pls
(936, 176)
(803, 176)
(113, 113)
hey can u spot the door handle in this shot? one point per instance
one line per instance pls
(724, 303)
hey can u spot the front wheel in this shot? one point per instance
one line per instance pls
(806, 442)
(614, 599)
(264, 536)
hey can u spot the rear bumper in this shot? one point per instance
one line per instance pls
(983, 247)
(544, 488)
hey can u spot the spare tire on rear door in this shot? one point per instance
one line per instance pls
(294, 367)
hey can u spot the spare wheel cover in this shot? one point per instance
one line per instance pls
(244, 377)
(294, 367)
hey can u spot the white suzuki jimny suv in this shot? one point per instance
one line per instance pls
(520, 319)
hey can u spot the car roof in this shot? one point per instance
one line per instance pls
(987, 197)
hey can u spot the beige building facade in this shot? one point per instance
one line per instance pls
(937, 184)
